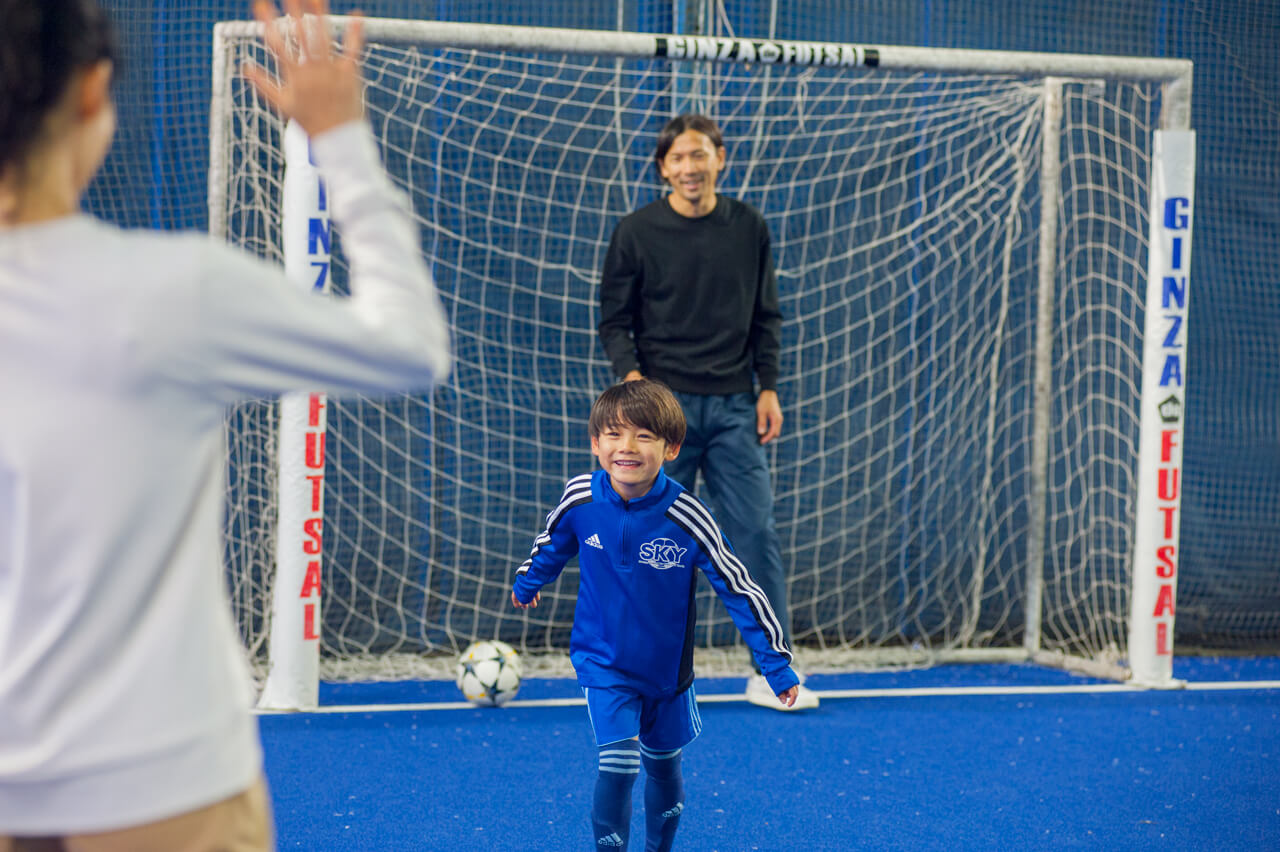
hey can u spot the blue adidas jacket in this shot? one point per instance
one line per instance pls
(633, 626)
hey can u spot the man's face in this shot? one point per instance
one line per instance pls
(691, 166)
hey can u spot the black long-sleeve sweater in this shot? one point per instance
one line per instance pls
(693, 301)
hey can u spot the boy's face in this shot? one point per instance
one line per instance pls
(691, 166)
(632, 456)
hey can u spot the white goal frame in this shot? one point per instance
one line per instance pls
(1154, 560)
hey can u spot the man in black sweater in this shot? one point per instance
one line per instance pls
(689, 296)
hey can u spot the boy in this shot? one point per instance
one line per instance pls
(638, 537)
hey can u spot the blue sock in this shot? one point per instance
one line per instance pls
(663, 798)
(611, 810)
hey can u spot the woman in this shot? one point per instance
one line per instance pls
(125, 717)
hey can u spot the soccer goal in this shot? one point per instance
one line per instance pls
(982, 262)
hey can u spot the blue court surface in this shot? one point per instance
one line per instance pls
(982, 757)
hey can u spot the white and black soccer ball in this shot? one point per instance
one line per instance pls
(489, 673)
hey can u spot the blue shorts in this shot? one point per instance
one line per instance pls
(662, 724)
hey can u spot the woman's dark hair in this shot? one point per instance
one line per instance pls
(673, 128)
(43, 43)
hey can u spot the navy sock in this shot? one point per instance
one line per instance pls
(611, 810)
(663, 798)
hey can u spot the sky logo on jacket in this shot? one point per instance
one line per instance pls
(662, 553)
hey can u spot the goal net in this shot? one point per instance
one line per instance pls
(964, 325)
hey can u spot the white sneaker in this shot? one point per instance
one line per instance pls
(761, 694)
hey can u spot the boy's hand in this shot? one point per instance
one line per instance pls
(537, 596)
(788, 698)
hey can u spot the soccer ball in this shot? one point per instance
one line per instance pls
(489, 673)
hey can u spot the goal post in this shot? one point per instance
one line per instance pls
(1159, 503)
(293, 651)
(982, 256)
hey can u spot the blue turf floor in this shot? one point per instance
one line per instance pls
(1183, 769)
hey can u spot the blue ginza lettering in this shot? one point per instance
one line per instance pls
(1173, 291)
(317, 236)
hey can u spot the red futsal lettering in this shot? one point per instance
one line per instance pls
(314, 407)
(317, 492)
(313, 528)
(1162, 640)
(315, 450)
(311, 582)
(309, 627)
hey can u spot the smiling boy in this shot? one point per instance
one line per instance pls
(639, 536)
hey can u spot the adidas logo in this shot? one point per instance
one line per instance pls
(613, 839)
(674, 812)
(594, 541)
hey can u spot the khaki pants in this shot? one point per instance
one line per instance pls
(241, 823)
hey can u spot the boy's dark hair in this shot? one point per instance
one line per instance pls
(645, 404)
(42, 44)
(673, 128)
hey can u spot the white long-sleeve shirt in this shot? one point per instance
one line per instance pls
(124, 696)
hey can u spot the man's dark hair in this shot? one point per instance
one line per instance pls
(644, 404)
(673, 128)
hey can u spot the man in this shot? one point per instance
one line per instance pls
(689, 296)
